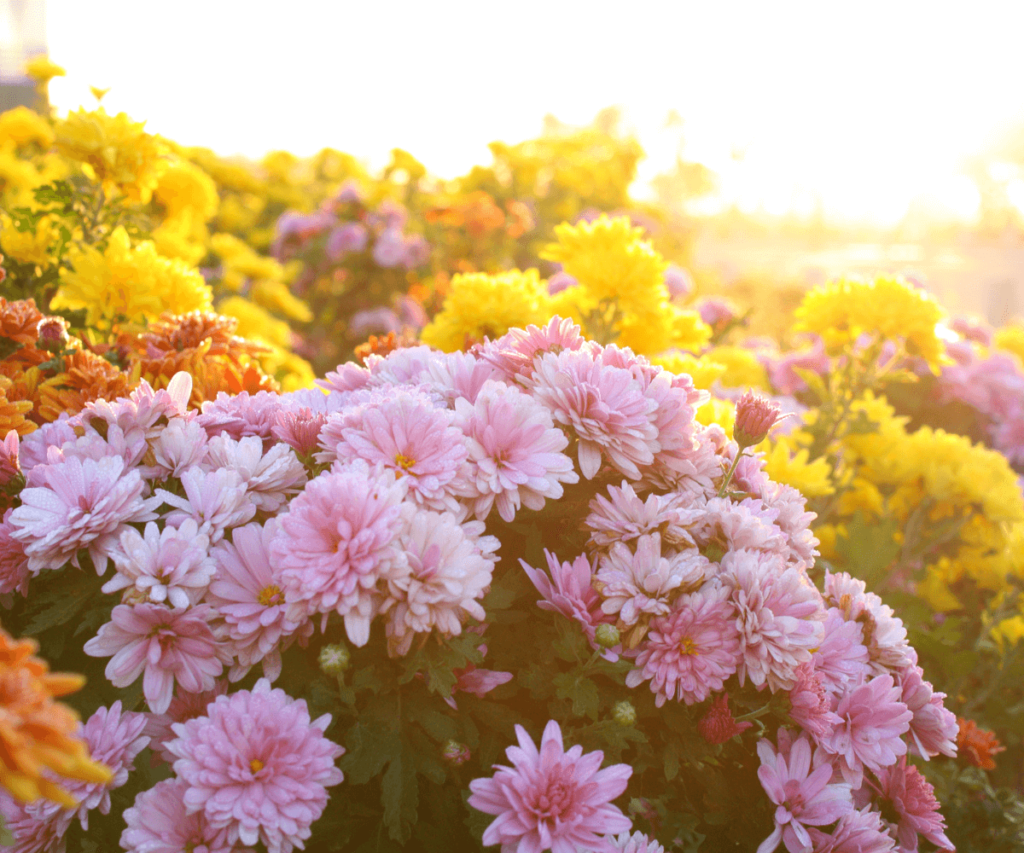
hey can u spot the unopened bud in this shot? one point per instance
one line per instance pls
(641, 807)
(607, 636)
(334, 659)
(455, 753)
(52, 334)
(624, 713)
(755, 416)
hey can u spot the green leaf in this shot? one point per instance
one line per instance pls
(581, 691)
(400, 798)
(671, 761)
(61, 602)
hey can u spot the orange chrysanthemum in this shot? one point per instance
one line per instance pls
(383, 345)
(13, 411)
(19, 320)
(86, 377)
(977, 746)
(36, 733)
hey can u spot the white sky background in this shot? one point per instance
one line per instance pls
(861, 107)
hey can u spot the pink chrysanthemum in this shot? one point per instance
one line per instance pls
(677, 402)
(9, 465)
(857, 832)
(449, 570)
(718, 725)
(623, 516)
(455, 375)
(36, 445)
(14, 573)
(338, 538)
(748, 525)
(934, 728)
(569, 591)
(810, 703)
(406, 433)
(605, 406)
(143, 413)
(635, 843)
(802, 797)
(912, 798)
(692, 651)
(248, 597)
(270, 478)
(515, 453)
(885, 636)
(841, 660)
(515, 352)
(170, 566)
(167, 645)
(299, 429)
(642, 583)
(405, 366)
(257, 766)
(779, 615)
(83, 504)
(871, 721)
(792, 518)
(159, 823)
(181, 445)
(241, 414)
(215, 500)
(184, 706)
(552, 799)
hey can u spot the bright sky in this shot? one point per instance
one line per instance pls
(859, 107)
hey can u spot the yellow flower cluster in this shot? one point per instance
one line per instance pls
(28, 247)
(884, 309)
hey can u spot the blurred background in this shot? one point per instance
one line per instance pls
(789, 141)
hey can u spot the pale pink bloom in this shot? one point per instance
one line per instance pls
(810, 703)
(635, 843)
(37, 827)
(170, 566)
(623, 516)
(841, 661)
(131, 449)
(316, 400)
(691, 652)
(782, 368)
(886, 638)
(677, 402)
(405, 366)
(604, 406)
(449, 569)
(803, 797)
(871, 721)
(755, 416)
(240, 414)
(348, 377)
(184, 706)
(456, 375)
(14, 573)
(747, 524)
(569, 591)
(552, 799)
(906, 792)
(143, 413)
(300, 429)
(215, 500)
(515, 453)
(934, 728)
(248, 597)
(337, 540)
(158, 823)
(181, 445)
(718, 725)
(515, 353)
(35, 446)
(83, 504)
(9, 465)
(779, 616)
(257, 766)
(699, 474)
(164, 646)
(406, 433)
(857, 832)
(633, 585)
(270, 478)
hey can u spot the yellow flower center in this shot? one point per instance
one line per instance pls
(270, 595)
(404, 462)
(687, 646)
(255, 765)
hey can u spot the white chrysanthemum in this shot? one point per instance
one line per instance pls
(181, 445)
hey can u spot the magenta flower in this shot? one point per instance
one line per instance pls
(907, 793)
(338, 538)
(718, 724)
(569, 591)
(299, 429)
(80, 504)
(552, 799)
(247, 596)
(692, 651)
(871, 721)
(861, 831)
(158, 823)
(257, 766)
(515, 453)
(164, 646)
(810, 703)
(803, 797)
(755, 416)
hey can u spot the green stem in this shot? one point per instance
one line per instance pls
(732, 469)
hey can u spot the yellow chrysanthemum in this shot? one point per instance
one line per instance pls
(703, 369)
(275, 296)
(787, 464)
(241, 262)
(888, 308)
(183, 236)
(23, 126)
(255, 323)
(115, 149)
(186, 187)
(742, 369)
(129, 283)
(42, 70)
(716, 411)
(28, 247)
(1011, 339)
(479, 305)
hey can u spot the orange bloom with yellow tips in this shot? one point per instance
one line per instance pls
(36, 733)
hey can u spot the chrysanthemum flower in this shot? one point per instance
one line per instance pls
(856, 832)
(166, 645)
(635, 843)
(552, 799)
(81, 504)
(884, 634)
(460, 374)
(976, 745)
(841, 660)
(623, 516)
(181, 445)
(241, 414)
(718, 725)
(515, 452)
(569, 591)
(248, 597)
(299, 429)
(692, 651)
(934, 728)
(14, 573)
(449, 570)
(184, 706)
(906, 792)
(514, 353)
(803, 797)
(338, 538)
(158, 822)
(810, 703)
(269, 478)
(163, 566)
(257, 766)
(215, 500)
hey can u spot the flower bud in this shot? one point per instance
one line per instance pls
(334, 659)
(53, 334)
(718, 725)
(624, 713)
(455, 753)
(755, 416)
(607, 636)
